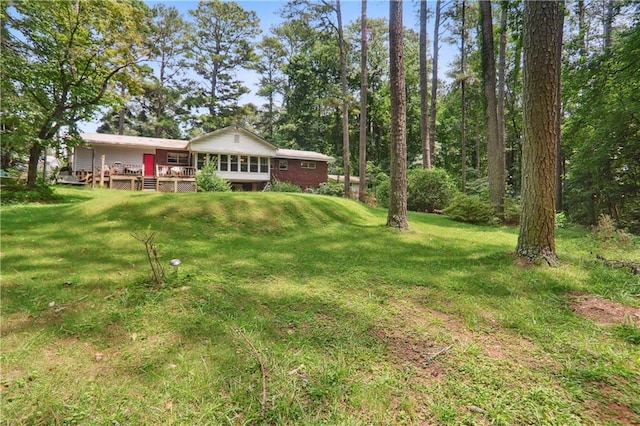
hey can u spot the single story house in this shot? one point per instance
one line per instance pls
(245, 159)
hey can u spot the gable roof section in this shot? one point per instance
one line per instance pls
(133, 141)
(232, 140)
(229, 129)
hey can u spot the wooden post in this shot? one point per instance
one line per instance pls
(93, 167)
(102, 157)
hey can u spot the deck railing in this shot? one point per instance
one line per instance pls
(168, 170)
(126, 169)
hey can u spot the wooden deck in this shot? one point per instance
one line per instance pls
(131, 177)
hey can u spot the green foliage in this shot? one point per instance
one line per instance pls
(58, 69)
(383, 185)
(277, 186)
(479, 187)
(470, 209)
(511, 214)
(429, 189)
(602, 134)
(14, 192)
(331, 188)
(208, 180)
(220, 44)
(561, 220)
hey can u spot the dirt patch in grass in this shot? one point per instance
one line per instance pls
(608, 408)
(414, 349)
(603, 311)
(423, 332)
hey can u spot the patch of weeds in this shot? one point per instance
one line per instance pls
(628, 332)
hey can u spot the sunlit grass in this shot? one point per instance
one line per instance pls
(346, 315)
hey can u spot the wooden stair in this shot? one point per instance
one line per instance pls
(149, 183)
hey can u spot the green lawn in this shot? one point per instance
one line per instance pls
(353, 323)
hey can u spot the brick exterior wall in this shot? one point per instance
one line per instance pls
(161, 155)
(305, 178)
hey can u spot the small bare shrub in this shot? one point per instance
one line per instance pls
(606, 230)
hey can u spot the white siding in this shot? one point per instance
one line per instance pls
(225, 143)
(244, 176)
(82, 157)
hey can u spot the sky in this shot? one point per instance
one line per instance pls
(269, 13)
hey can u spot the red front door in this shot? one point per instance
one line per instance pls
(149, 164)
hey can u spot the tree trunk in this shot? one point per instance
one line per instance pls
(363, 104)
(513, 153)
(463, 103)
(536, 239)
(160, 102)
(424, 95)
(495, 150)
(345, 104)
(502, 65)
(397, 216)
(582, 30)
(434, 82)
(121, 114)
(34, 158)
(608, 22)
(559, 153)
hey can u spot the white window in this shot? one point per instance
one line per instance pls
(201, 160)
(308, 164)
(178, 158)
(283, 164)
(224, 163)
(264, 165)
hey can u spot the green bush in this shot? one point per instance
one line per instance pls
(208, 180)
(331, 188)
(561, 220)
(429, 189)
(470, 209)
(382, 191)
(277, 186)
(479, 187)
(511, 215)
(14, 192)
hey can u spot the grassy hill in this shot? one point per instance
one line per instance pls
(300, 309)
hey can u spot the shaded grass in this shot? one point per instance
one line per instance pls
(316, 283)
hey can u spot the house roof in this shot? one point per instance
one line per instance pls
(138, 141)
(148, 142)
(295, 154)
(232, 129)
(340, 178)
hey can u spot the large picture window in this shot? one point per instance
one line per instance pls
(181, 158)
